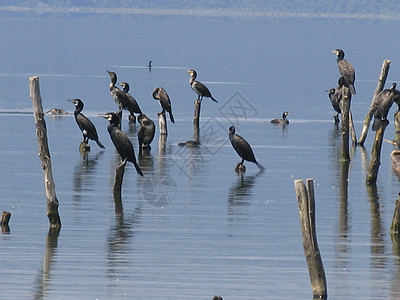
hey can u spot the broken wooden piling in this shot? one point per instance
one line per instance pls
(162, 123)
(381, 83)
(197, 107)
(44, 153)
(345, 108)
(306, 202)
(395, 227)
(5, 219)
(376, 154)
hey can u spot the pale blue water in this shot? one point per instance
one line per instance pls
(191, 228)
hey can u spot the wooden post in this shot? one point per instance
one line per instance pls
(397, 125)
(352, 129)
(44, 153)
(5, 219)
(376, 155)
(381, 83)
(119, 177)
(162, 123)
(345, 108)
(306, 202)
(395, 227)
(197, 107)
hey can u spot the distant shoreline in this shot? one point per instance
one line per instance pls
(40, 10)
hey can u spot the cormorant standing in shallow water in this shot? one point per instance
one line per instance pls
(161, 95)
(85, 125)
(132, 105)
(198, 87)
(283, 121)
(146, 131)
(242, 148)
(383, 104)
(346, 70)
(121, 141)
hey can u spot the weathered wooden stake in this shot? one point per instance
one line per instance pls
(162, 123)
(44, 153)
(306, 202)
(397, 125)
(197, 107)
(376, 154)
(345, 108)
(395, 227)
(381, 83)
(5, 219)
(352, 130)
(119, 177)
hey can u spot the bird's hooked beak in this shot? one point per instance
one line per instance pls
(105, 116)
(335, 52)
(72, 100)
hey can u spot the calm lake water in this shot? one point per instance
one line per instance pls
(191, 228)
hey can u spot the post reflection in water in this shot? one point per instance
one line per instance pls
(43, 280)
(378, 256)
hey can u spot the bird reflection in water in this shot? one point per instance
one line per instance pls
(84, 178)
(240, 193)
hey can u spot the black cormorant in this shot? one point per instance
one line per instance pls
(161, 95)
(283, 121)
(85, 125)
(335, 96)
(132, 106)
(146, 131)
(346, 70)
(242, 148)
(383, 104)
(198, 87)
(121, 141)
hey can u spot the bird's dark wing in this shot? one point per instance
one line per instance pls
(86, 125)
(201, 89)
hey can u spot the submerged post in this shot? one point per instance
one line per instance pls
(345, 108)
(162, 123)
(395, 227)
(197, 107)
(44, 153)
(381, 83)
(376, 154)
(5, 219)
(306, 202)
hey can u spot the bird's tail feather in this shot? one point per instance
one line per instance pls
(138, 170)
(100, 144)
(260, 166)
(171, 117)
(352, 89)
(212, 98)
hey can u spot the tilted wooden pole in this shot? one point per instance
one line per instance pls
(44, 153)
(381, 83)
(306, 202)
(376, 154)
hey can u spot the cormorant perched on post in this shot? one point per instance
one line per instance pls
(132, 105)
(242, 148)
(346, 70)
(198, 87)
(383, 104)
(335, 96)
(283, 121)
(161, 95)
(85, 125)
(121, 141)
(146, 131)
